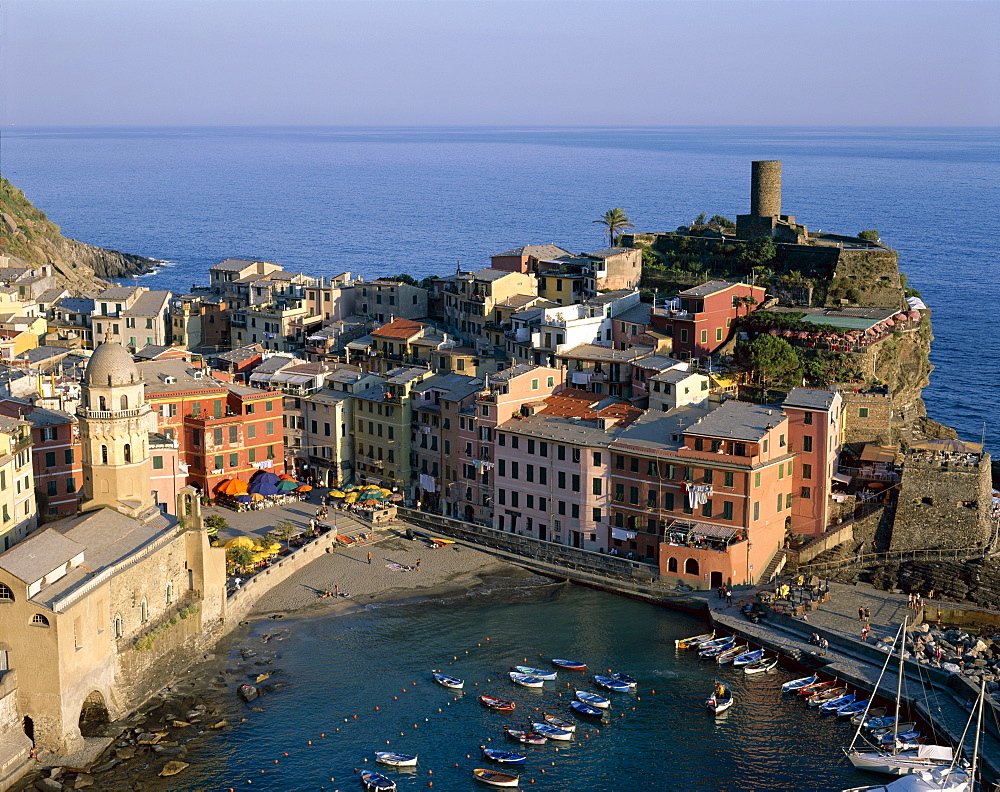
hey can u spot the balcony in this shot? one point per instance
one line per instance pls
(107, 414)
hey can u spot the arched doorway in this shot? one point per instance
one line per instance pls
(94, 715)
(691, 566)
(29, 728)
(470, 514)
(672, 565)
(716, 580)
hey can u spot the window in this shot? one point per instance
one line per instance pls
(708, 476)
(704, 336)
(529, 473)
(234, 434)
(269, 427)
(576, 455)
(169, 592)
(38, 620)
(781, 441)
(157, 463)
(268, 406)
(531, 446)
(807, 418)
(234, 460)
(501, 438)
(50, 433)
(596, 515)
(574, 511)
(727, 510)
(575, 483)
(598, 486)
(250, 409)
(862, 412)
(217, 435)
(699, 444)
(252, 455)
(252, 430)
(756, 510)
(6, 595)
(788, 500)
(718, 335)
(781, 472)
(52, 488)
(727, 479)
(218, 462)
(514, 441)
(543, 475)
(806, 493)
(514, 469)
(543, 449)
(502, 497)
(756, 479)
(501, 467)
(534, 384)
(706, 509)
(807, 443)
(514, 494)
(143, 611)
(70, 485)
(50, 459)
(104, 455)
(807, 471)
(619, 462)
(550, 382)
(561, 479)
(561, 452)
(781, 501)
(633, 495)
(562, 507)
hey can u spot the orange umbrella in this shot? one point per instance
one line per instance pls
(286, 477)
(233, 487)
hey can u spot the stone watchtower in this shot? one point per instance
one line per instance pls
(765, 219)
(115, 422)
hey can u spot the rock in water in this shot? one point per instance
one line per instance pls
(173, 768)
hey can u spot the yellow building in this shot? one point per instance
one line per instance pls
(18, 512)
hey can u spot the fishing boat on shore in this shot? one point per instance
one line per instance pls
(524, 680)
(593, 699)
(748, 657)
(526, 737)
(612, 684)
(448, 681)
(502, 757)
(730, 654)
(559, 723)
(395, 759)
(761, 666)
(693, 641)
(548, 676)
(798, 684)
(495, 778)
(720, 700)
(376, 782)
(492, 703)
(569, 665)
(551, 732)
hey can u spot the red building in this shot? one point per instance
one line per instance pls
(704, 319)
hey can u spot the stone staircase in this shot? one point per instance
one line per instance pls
(775, 566)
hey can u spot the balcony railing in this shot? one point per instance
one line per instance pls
(99, 414)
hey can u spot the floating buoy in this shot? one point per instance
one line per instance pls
(286, 753)
(543, 769)
(322, 734)
(653, 692)
(309, 742)
(261, 771)
(376, 709)
(355, 717)
(404, 690)
(487, 639)
(395, 698)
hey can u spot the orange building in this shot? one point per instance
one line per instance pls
(223, 430)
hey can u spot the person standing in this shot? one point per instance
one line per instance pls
(369, 558)
(418, 564)
(861, 614)
(729, 596)
(868, 615)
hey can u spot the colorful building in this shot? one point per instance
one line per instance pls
(703, 320)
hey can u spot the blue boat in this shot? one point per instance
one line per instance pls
(376, 782)
(525, 680)
(548, 676)
(854, 708)
(580, 708)
(907, 736)
(716, 647)
(503, 757)
(835, 704)
(612, 684)
(798, 684)
(448, 681)
(572, 665)
(593, 699)
(628, 680)
(552, 732)
(748, 657)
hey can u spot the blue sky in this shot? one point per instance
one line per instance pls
(498, 62)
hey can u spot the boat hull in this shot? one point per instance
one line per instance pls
(569, 665)
(503, 757)
(395, 759)
(493, 778)
(593, 699)
(586, 710)
(376, 782)
(496, 704)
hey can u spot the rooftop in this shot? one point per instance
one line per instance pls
(705, 289)
(609, 297)
(155, 372)
(659, 363)
(399, 328)
(241, 355)
(41, 416)
(659, 430)
(738, 420)
(235, 265)
(117, 293)
(603, 354)
(40, 554)
(846, 318)
(490, 274)
(518, 301)
(637, 314)
(810, 398)
(608, 252)
(453, 387)
(148, 304)
(510, 373)
(535, 251)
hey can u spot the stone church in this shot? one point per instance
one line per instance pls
(97, 610)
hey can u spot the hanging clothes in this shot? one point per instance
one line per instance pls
(698, 494)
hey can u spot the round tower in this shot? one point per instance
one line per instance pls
(115, 422)
(765, 188)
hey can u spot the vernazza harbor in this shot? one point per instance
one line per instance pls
(560, 396)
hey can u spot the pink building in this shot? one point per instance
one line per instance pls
(470, 497)
(814, 427)
(704, 320)
(552, 466)
(526, 258)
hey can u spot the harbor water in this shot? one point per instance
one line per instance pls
(375, 664)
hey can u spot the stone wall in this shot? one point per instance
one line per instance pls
(866, 277)
(14, 743)
(867, 417)
(943, 504)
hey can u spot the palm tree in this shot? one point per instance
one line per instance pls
(615, 220)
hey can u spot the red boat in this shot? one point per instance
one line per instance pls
(571, 665)
(529, 737)
(496, 704)
(811, 690)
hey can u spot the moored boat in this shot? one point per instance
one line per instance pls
(526, 737)
(748, 657)
(924, 757)
(938, 779)
(831, 706)
(812, 690)
(884, 730)
(761, 666)
(694, 640)
(570, 665)
(503, 757)
(720, 700)
(559, 723)
(376, 782)
(612, 684)
(901, 738)
(853, 709)
(395, 759)
(730, 654)
(580, 708)
(448, 681)
(862, 719)
(495, 778)
(825, 695)
(593, 699)
(496, 704)
(798, 684)
(551, 732)
(716, 646)
(548, 676)
(618, 676)
(525, 680)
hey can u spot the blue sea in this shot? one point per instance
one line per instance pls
(423, 201)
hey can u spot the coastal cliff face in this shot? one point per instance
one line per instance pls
(31, 239)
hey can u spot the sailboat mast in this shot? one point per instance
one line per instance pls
(979, 731)
(878, 684)
(899, 685)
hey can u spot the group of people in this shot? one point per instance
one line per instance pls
(916, 600)
(725, 592)
(819, 641)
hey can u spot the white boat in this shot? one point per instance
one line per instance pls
(761, 666)
(526, 680)
(559, 723)
(925, 757)
(448, 681)
(495, 778)
(798, 684)
(939, 779)
(720, 700)
(395, 759)
(548, 676)
(593, 699)
(552, 732)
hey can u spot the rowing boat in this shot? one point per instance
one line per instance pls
(494, 778)
(503, 757)
(586, 710)
(748, 657)
(612, 684)
(730, 654)
(798, 684)
(448, 681)
(548, 676)
(525, 680)
(551, 732)
(395, 759)
(559, 723)
(376, 782)
(570, 665)
(526, 737)
(761, 666)
(593, 699)
(496, 704)
(693, 641)
(720, 700)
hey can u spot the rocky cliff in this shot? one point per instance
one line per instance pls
(29, 238)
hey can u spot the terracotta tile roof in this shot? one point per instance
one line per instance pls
(398, 328)
(575, 403)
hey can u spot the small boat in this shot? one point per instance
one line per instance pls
(502, 757)
(570, 665)
(618, 676)
(730, 654)
(493, 778)
(761, 666)
(873, 714)
(879, 723)
(829, 707)
(720, 700)
(526, 737)
(910, 736)
(496, 704)
(552, 732)
(376, 782)
(748, 657)
(825, 695)
(526, 681)
(247, 692)
(593, 699)
(559, 723)
(448, 681)
(798, 684)
(810, 690)
(612, 684)
(586, 710)
(395, 759)
(716, 647)
(883, 730)
(693, 641)
(548, 676)
(853, 709)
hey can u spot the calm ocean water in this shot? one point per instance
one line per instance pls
(339, 667)
(385, 201)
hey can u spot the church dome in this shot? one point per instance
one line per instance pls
(111, 364)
